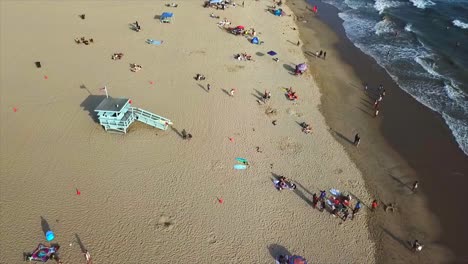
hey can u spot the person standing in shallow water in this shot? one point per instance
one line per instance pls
(415, 186)
(357, 139)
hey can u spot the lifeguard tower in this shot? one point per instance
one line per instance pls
(117, 114)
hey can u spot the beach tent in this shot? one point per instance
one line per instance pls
(278, 12)
(166, 17)
(255, 40)
(302, 67)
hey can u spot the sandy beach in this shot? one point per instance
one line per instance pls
(407, 142)
(149, 196)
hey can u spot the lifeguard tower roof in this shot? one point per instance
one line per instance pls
(111, 105)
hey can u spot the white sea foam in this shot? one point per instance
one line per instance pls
(382, 5)
(422, 4)
(460, 24)
(413, 66)
(428, 65)
(459, 129)
(384, 27)
(409, 28)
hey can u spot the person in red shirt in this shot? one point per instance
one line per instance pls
(374, 204)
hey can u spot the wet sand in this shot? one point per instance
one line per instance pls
(407, 142)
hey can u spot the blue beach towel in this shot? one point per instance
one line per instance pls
(154, 42)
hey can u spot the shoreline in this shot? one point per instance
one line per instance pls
(394, 147)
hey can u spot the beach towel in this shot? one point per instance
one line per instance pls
(271, 53)
(154, 42)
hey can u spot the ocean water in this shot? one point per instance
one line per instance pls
(423, 45)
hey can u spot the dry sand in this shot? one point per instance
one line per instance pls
(149, 196)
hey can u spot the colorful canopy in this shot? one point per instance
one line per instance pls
(302, 67)
(297, 260)
(166, 15)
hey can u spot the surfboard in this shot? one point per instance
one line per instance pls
(242, 160)
(240, 167)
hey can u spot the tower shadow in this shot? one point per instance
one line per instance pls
(90, 103)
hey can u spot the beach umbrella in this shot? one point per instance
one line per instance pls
(297, 260)
(215, 1)
(240, 27)
(302, 67)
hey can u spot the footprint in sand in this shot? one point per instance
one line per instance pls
(211, 239)
(165, 222)
(338, 171)
(288, 145)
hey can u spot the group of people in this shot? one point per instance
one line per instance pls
(137, 27)
(222, 23)
(284, 183)
(321, 53)
(378, 100)
(117, 56)
(243, 57)
(291, 94)
(135, 67)
(339, 206)
(306, 128)
(84, 41)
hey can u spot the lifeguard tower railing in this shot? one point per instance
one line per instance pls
(117, 114)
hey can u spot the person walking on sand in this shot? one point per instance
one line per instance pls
(415, 186)
(376, 112)
(323, 194)
(88, 257)
(320, 53)
(324, 55)
(322, 206)
(374, 205)
(416, 247)
(357, 140)
(208, 87)
(231, 93)
(345, 215)
(356, 209)
(137, 26)
(315, 200)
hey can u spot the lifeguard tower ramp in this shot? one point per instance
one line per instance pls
(117, 114)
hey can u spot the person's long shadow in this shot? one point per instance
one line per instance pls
(301, 195)
(342, 136)
(177, 131)
(259, 94)
(302, 187)
(225, 91)
(203, 87)
(364, 111)
(399, 181)
(45, 225)
(402, 242)
(288, 67)
(82, 247)
(276, 250)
